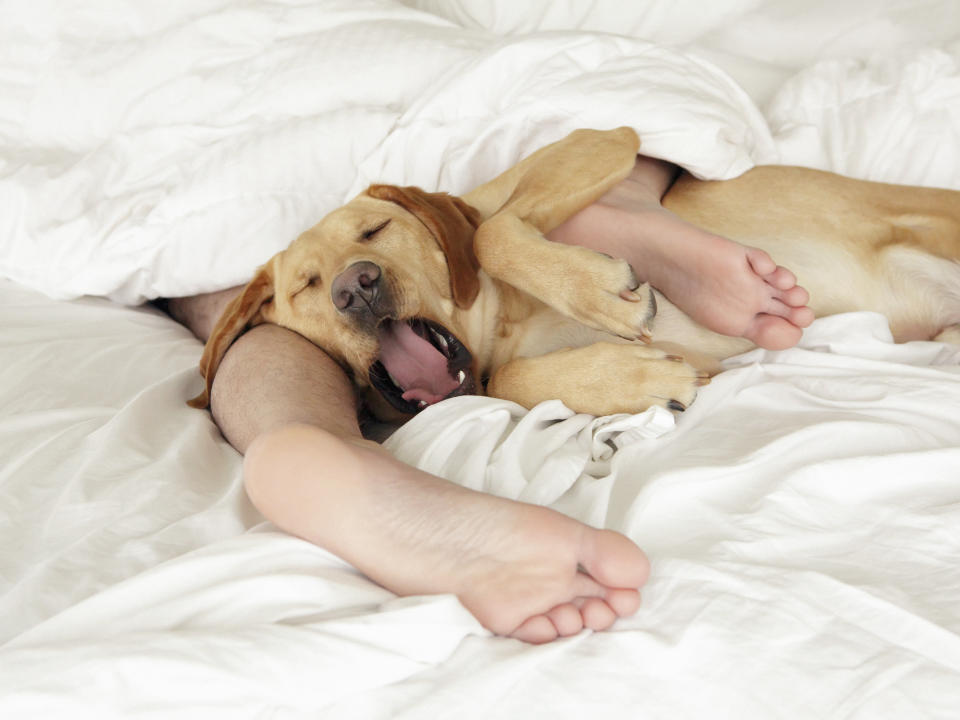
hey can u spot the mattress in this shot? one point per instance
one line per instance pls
(802, 517)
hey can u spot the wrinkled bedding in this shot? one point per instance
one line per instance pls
(803, 516)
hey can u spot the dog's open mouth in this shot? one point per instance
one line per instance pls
(421, 363)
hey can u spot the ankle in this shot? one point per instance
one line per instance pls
(650, 179)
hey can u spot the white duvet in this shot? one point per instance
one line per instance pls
(165, 149)
(802, 516)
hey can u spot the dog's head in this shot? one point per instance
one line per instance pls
(380, 285)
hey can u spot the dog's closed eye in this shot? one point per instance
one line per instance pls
(368, 234)
(311, 280)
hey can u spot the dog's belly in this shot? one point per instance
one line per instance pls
(853, 245)
(548, 331)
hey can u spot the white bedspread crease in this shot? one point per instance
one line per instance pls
(802, 516)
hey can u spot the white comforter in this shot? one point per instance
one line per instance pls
(802, 516)
(166, 149)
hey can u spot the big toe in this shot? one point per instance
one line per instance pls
(613, 560)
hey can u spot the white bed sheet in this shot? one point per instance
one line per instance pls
(803, 517)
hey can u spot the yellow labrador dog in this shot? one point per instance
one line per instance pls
(424, 296)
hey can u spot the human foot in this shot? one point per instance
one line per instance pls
(727, 287)
(524, 571)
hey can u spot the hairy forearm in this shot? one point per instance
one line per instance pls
(272, 377)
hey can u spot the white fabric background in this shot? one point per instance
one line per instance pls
(802, 517)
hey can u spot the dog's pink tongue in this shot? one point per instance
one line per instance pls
(415, 365)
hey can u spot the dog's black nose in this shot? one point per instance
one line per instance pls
(357, 287)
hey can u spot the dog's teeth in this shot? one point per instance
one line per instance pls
(461, 376)
(393, 379)
(441, 340)
(422, 404)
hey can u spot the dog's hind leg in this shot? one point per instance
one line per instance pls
(921, 295)
(926, 233)
(923, 218)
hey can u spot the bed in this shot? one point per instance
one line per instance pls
(802, 517)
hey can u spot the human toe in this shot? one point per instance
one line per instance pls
(623, 601)
(780, 278)
(773, 332)
(801, 316)
(566, 619)
(597, 614)
(536, 630)
(614, 560)
(795, 296)
(760, 262)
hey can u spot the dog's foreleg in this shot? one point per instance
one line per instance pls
(596, 290)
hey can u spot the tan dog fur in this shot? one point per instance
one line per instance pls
(544, 320)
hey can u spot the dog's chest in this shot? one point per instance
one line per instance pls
(544, 331)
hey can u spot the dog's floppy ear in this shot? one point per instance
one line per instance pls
(453, 223)
(243, 312)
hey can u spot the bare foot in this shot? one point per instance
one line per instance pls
(522, 570)
(727, 287)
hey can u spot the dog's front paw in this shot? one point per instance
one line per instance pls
(641, 315)
(638, 377)
(668, 381)
(606, 295)
(601, 379)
